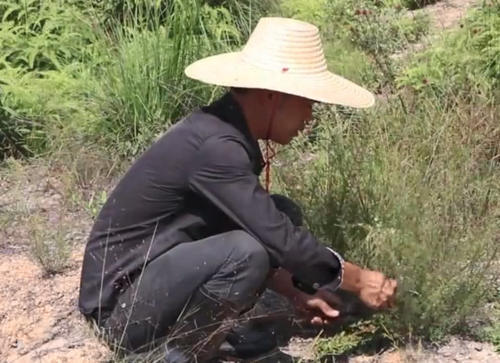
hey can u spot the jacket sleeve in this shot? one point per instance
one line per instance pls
(222, 173)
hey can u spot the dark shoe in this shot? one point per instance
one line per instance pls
(250, 340)
(201, 329)
(260, 330)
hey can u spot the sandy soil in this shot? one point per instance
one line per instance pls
(456, 350)
(39, 321)
(447, 13)
(38, 316)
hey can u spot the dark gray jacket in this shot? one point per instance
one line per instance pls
(197, 180)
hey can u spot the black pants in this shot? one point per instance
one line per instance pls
(232, 266)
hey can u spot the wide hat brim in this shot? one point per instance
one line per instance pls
(284, 55)
(231, 70)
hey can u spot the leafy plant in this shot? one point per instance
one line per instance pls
(312, 11)
(51, 108)
(411, 194)
(38, 40)
(144, 87)
(11, 136)
(50, 246)
(462, 61)
(42, 35)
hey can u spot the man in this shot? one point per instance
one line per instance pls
(189, 239)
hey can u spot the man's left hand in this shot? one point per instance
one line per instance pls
(317, 308)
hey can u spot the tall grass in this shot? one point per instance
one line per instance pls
(125, 59)
(412, 188)
(144, 88)
(38, 41)
(416, 196)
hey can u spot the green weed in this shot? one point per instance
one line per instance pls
(42, 44)
(144, 87)
(50, 246)
(462, 61)
(311, 11)
(415, 195)
(493, 336)
(42, 35)
(341, 343)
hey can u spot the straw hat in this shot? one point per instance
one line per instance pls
(283, 55)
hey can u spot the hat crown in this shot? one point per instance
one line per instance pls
(286, 45)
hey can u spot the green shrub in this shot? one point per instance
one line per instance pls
(411, 187)
(462, 61)
(363, 35)
(38, 42)
(42, 35)
(55, 106)
(345, 59)
(312, 11)
(144, 86)
(246, 13)
(149, 14)
(12, 132)
(414, 195)
(74, 74)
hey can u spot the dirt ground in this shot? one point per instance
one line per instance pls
(448, 13)
(39, 321)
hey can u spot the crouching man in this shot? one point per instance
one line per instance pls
(189, 239)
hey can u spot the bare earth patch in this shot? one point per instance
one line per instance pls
(447, 13)
(443, 15)
(456, 350)
(39, 320)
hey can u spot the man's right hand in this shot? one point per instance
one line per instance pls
(376, 290)
(373, 288)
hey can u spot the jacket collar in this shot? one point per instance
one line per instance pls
(228, 110)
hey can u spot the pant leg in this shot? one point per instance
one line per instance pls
(232, 266)
(269, 322)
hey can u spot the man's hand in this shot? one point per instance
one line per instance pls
(318, 307)
(374, 289)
